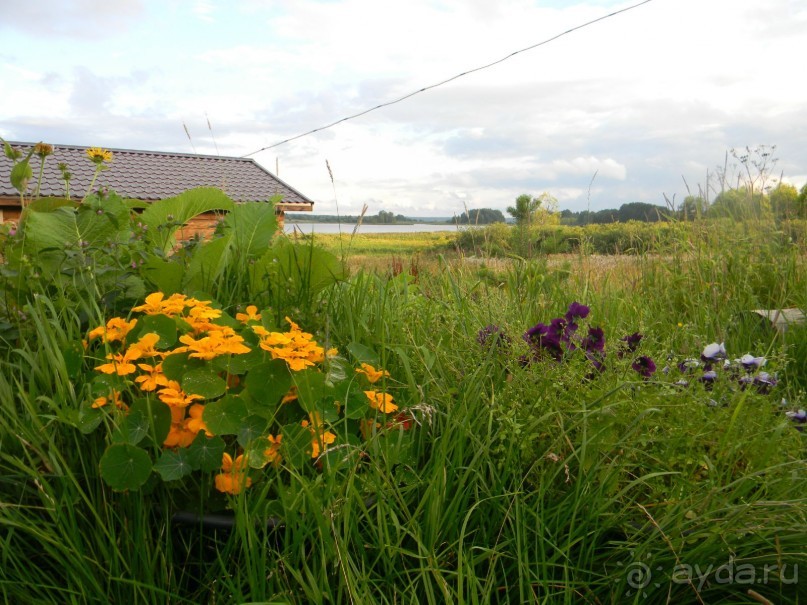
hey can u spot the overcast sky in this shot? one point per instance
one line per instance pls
(646, 100)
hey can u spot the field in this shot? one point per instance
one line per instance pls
(488, 426)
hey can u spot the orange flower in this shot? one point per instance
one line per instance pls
(250, 315)
(155, 305)
(213, 345)
(272, 453)
(381, 401)
(320, 437)
(196, 423)
(115, 329)
(114, 397)
(120, 364)
(371, 373)
(146, 345)
(233, 479)
(153, 378)
(173, 395)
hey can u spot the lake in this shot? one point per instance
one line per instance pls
(365, 228)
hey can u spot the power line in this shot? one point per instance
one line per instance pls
(451, 79)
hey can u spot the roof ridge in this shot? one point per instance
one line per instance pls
(139, 151)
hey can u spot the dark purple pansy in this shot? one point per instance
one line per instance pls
(492, 335)
(544, 338)
(644, 366)
(595, 341)
(576, 311)
(629, 344)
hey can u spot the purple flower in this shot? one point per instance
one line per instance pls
(644, 366)
(492, 335)
(799, 418)
(764, 382)
(688, 365)
(629, 344)
(714, 352)
(751, 363)
(576, 311)
(544, 338)
(708, 379)
(595, 341)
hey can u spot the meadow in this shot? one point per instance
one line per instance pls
(407, 419)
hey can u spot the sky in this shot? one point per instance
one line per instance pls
(637, 107)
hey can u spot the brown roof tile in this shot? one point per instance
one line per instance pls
(153, 175)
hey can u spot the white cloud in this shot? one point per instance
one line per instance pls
(640, 99)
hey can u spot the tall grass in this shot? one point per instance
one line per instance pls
(534, 484)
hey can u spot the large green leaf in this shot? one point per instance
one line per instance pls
(167, 276)
(66, 226)
(363, 354)
(207, 263)
(155, 415)
(253, 225)
(225, 416)
(174, 465)
(21, 173)
(204, 381)
(178, 211)
(304, 270)
(267, 383)
(125, 467)
(162, 325)
(205, 453)
(176, 365)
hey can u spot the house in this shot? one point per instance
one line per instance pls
(151, 176)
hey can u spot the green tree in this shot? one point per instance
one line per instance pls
(539, 210)
(525, 207)
(801, 202)
(784, 200)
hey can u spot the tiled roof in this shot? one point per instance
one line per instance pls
(153, 175)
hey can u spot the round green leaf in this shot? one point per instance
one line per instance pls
(205, 453)
(203, 381)
(225, 416)
(164, 326)
(125, 467)
(268, 382)
(238, 364)
(157, 415)
(174, 465)
(175, 366)
(251, 428)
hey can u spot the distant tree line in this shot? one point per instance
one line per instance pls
(383, 217)
(480, 216)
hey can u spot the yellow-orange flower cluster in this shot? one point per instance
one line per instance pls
(297, 348)
(184, 428)
(371, 373)
(233, 478)
(320, 438)
(381, 401)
